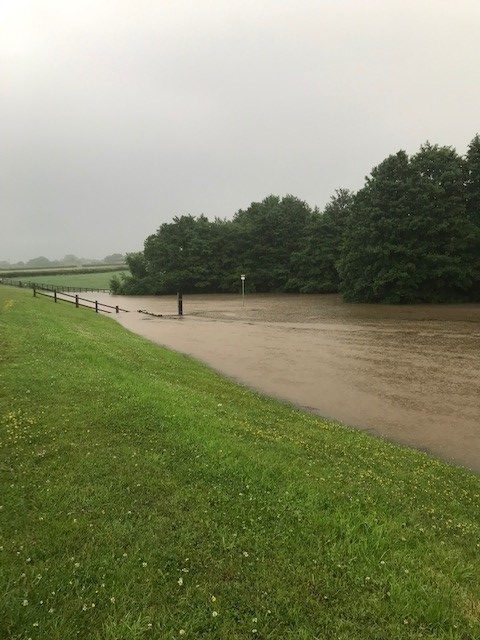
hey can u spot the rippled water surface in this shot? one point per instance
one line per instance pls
(409, 373)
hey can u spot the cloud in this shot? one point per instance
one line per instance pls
(115, 116)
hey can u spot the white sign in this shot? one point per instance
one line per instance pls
(242, 277)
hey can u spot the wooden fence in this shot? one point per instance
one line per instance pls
(58, 290)
(94, 304)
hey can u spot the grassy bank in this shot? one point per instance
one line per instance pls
(144, 496)
(100, 279)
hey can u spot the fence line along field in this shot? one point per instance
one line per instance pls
(99, 279)
(145, 496)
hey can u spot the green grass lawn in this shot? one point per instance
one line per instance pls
(145, 496)
(100, 279)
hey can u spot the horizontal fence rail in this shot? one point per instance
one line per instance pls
(95, 305)
(77, 304)
(103, 304)
(50, 287)
(39, 288)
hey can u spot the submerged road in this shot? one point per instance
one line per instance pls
(407, 373)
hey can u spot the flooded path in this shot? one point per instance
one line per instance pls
(408, 373)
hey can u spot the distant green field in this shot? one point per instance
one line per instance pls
(23, 273)
(100, 279)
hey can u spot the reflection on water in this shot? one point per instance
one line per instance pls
(410, 373)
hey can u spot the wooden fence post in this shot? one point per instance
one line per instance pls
(116, 309)
(96, 306)
(76, 300)
(180, 304)
(34, 291)
(55, 295)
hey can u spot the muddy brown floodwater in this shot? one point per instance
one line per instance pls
(408, 373)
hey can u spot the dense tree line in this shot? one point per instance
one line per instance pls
(411, 234)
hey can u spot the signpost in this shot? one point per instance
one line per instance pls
(179, 294)
(242, 278)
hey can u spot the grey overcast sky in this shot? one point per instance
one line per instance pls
(116, 115)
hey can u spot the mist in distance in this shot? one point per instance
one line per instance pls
(116, 116)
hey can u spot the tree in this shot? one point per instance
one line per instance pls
(41, 261)
(473, 179)
(181, 254)
(114, 258)
(445, 232)
(71, 259)
(409, 234)
(314, 267)
(369, 268)
(139, 281)
(268, 233)
(193, 254)
(473, 208)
